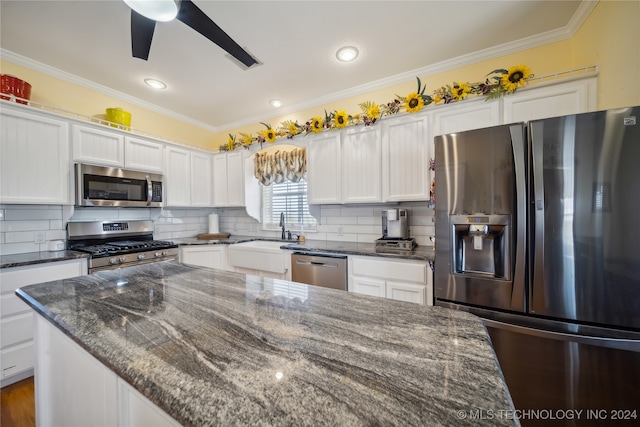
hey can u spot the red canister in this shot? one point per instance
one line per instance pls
(11, 85)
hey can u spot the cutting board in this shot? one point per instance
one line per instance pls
(213, 236)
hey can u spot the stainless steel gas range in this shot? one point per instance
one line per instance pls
(117, 244)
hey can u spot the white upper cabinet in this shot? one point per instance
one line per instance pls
(201, 179)
(324, 169)
(143, 155)
(35, 164)
(559, 99)
(406, 146)
(361, 165)
(188, 177)
(228, 178)
(467, 115)
(98, 146)
(235, 178)
(177, 177)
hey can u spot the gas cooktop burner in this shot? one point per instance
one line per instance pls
(115, 244)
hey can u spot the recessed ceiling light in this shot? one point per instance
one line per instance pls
(156, 84)
(276, 103)
(158, 10)
(347, 53)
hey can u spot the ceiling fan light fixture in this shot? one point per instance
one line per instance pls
(156, 84)
(347, 53)
(158, 10)
(276, 103)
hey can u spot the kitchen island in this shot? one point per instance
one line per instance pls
(210, 347)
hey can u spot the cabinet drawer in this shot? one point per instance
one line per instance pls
(11, 305)
(393, 270)
(16, 329)
(14, 278)
(17, 359)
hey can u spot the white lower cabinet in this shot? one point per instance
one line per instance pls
(16, 316)
(212, 256)
(74, 389)
(402, 280)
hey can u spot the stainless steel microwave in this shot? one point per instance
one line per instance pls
(103, 186)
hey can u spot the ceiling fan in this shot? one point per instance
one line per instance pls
(145, 13)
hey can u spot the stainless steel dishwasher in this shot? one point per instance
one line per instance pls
(329, 271)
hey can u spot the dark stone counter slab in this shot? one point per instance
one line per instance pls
(31, 258)
(211, 347)
(420, 253)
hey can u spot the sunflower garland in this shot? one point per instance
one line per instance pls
(497, 83)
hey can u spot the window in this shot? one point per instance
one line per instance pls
(290, 198)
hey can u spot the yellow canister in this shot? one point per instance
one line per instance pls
(119, 118)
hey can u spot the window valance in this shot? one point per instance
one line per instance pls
(280, 166)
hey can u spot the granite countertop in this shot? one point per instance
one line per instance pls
(212, 347)
(420, 253)
(31, 258)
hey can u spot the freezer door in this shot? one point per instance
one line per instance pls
(585, 217)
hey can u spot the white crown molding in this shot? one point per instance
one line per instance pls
(23, 61)
(563, 33)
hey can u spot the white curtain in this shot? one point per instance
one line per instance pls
(280, 166)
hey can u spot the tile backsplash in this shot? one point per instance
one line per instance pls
(22, 226)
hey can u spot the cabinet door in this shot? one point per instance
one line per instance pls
(474, 114)
(406, 146)
(560, 99)
(408, 292)
(35, 164)
(144, 155)
(220, 180)
(235, 178)
(178, 177)
(201, 179)
(367, 286)
(361, 165)
(204, 256)
(98, 146)
(324, 169)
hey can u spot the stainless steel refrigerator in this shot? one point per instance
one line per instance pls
(538, 232)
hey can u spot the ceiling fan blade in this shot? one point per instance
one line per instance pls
(141, 35)
(191, 15)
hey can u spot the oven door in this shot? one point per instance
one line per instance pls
(101, 186)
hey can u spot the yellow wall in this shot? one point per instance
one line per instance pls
(61, 94)
(608, 38)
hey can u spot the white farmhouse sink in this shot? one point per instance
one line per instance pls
(258, 255)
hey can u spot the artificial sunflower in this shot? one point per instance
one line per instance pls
(514, 77)
(413, 102)
(459, 91)
(340, 119)
(373, 112)
(269, 135)
(231, 142)
(293, 129)
(247, 139)
(317, 124)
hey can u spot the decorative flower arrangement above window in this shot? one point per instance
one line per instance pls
(497, 83)
(280, 166)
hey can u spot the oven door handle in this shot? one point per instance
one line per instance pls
(149, 191)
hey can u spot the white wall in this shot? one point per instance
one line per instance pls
(19, 224)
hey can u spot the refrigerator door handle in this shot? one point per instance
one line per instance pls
(536, 276)
(518, 138)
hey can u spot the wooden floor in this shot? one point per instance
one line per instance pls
(18, 404)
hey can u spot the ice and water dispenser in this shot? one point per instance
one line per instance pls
(481, 245)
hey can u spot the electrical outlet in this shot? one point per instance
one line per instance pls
(39, 237)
